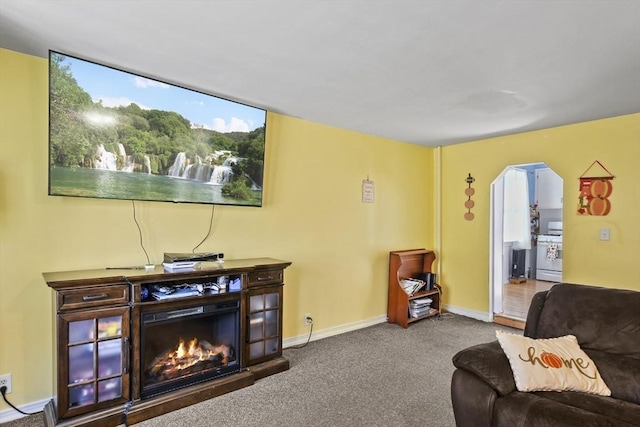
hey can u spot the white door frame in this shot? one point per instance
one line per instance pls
(495, 245)
(496, 241)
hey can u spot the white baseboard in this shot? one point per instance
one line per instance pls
(341, 329)
(33, 407)
(336, 330)
(478, 315)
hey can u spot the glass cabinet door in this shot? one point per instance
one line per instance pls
(265, 323)
(95, 353)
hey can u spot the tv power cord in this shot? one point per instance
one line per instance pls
(133, 203)
(3, 390)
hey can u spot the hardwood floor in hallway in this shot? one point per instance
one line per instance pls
(516, 301)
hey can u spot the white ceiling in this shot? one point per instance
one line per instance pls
(427, 72)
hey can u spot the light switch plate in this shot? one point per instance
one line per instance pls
(604, 234)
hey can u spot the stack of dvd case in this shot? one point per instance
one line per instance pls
(420, 307)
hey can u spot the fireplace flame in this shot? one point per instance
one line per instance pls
(191, 351)
(188, 355)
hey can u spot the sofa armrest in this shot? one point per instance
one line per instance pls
(489, 363)
(472, 400)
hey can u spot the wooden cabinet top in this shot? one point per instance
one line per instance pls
(410, 252)
(412, 262)
(70, 279)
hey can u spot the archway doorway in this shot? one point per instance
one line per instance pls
(514, 267)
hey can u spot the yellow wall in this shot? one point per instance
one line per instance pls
(568, 150)
(312, 215)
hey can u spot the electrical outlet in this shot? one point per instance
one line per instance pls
(5, 380)
(308, 319)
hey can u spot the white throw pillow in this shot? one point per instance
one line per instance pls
(551, 364)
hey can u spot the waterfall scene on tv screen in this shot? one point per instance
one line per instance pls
(118, 135)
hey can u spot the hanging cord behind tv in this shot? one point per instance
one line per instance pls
(208, 233)
(133, 203)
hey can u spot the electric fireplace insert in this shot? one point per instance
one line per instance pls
(189, 344)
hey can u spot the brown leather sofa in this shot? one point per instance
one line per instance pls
(606, 323)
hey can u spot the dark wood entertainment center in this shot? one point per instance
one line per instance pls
(102, 317)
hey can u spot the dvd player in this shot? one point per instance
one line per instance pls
(172, 257)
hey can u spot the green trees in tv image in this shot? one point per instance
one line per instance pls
(152, 138)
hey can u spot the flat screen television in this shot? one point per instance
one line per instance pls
(114, 134)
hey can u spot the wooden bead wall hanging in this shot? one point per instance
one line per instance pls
(469, 191)
(595, 191)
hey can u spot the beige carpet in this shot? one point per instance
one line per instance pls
(383, 375)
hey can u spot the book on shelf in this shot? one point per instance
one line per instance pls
(428, 311)
(411, 286)
(421, 301)
(420, 307)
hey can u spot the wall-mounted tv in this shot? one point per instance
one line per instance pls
(118, 135)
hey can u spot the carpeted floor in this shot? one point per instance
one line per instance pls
(382, 375)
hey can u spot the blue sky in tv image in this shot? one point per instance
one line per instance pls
(120, 88)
